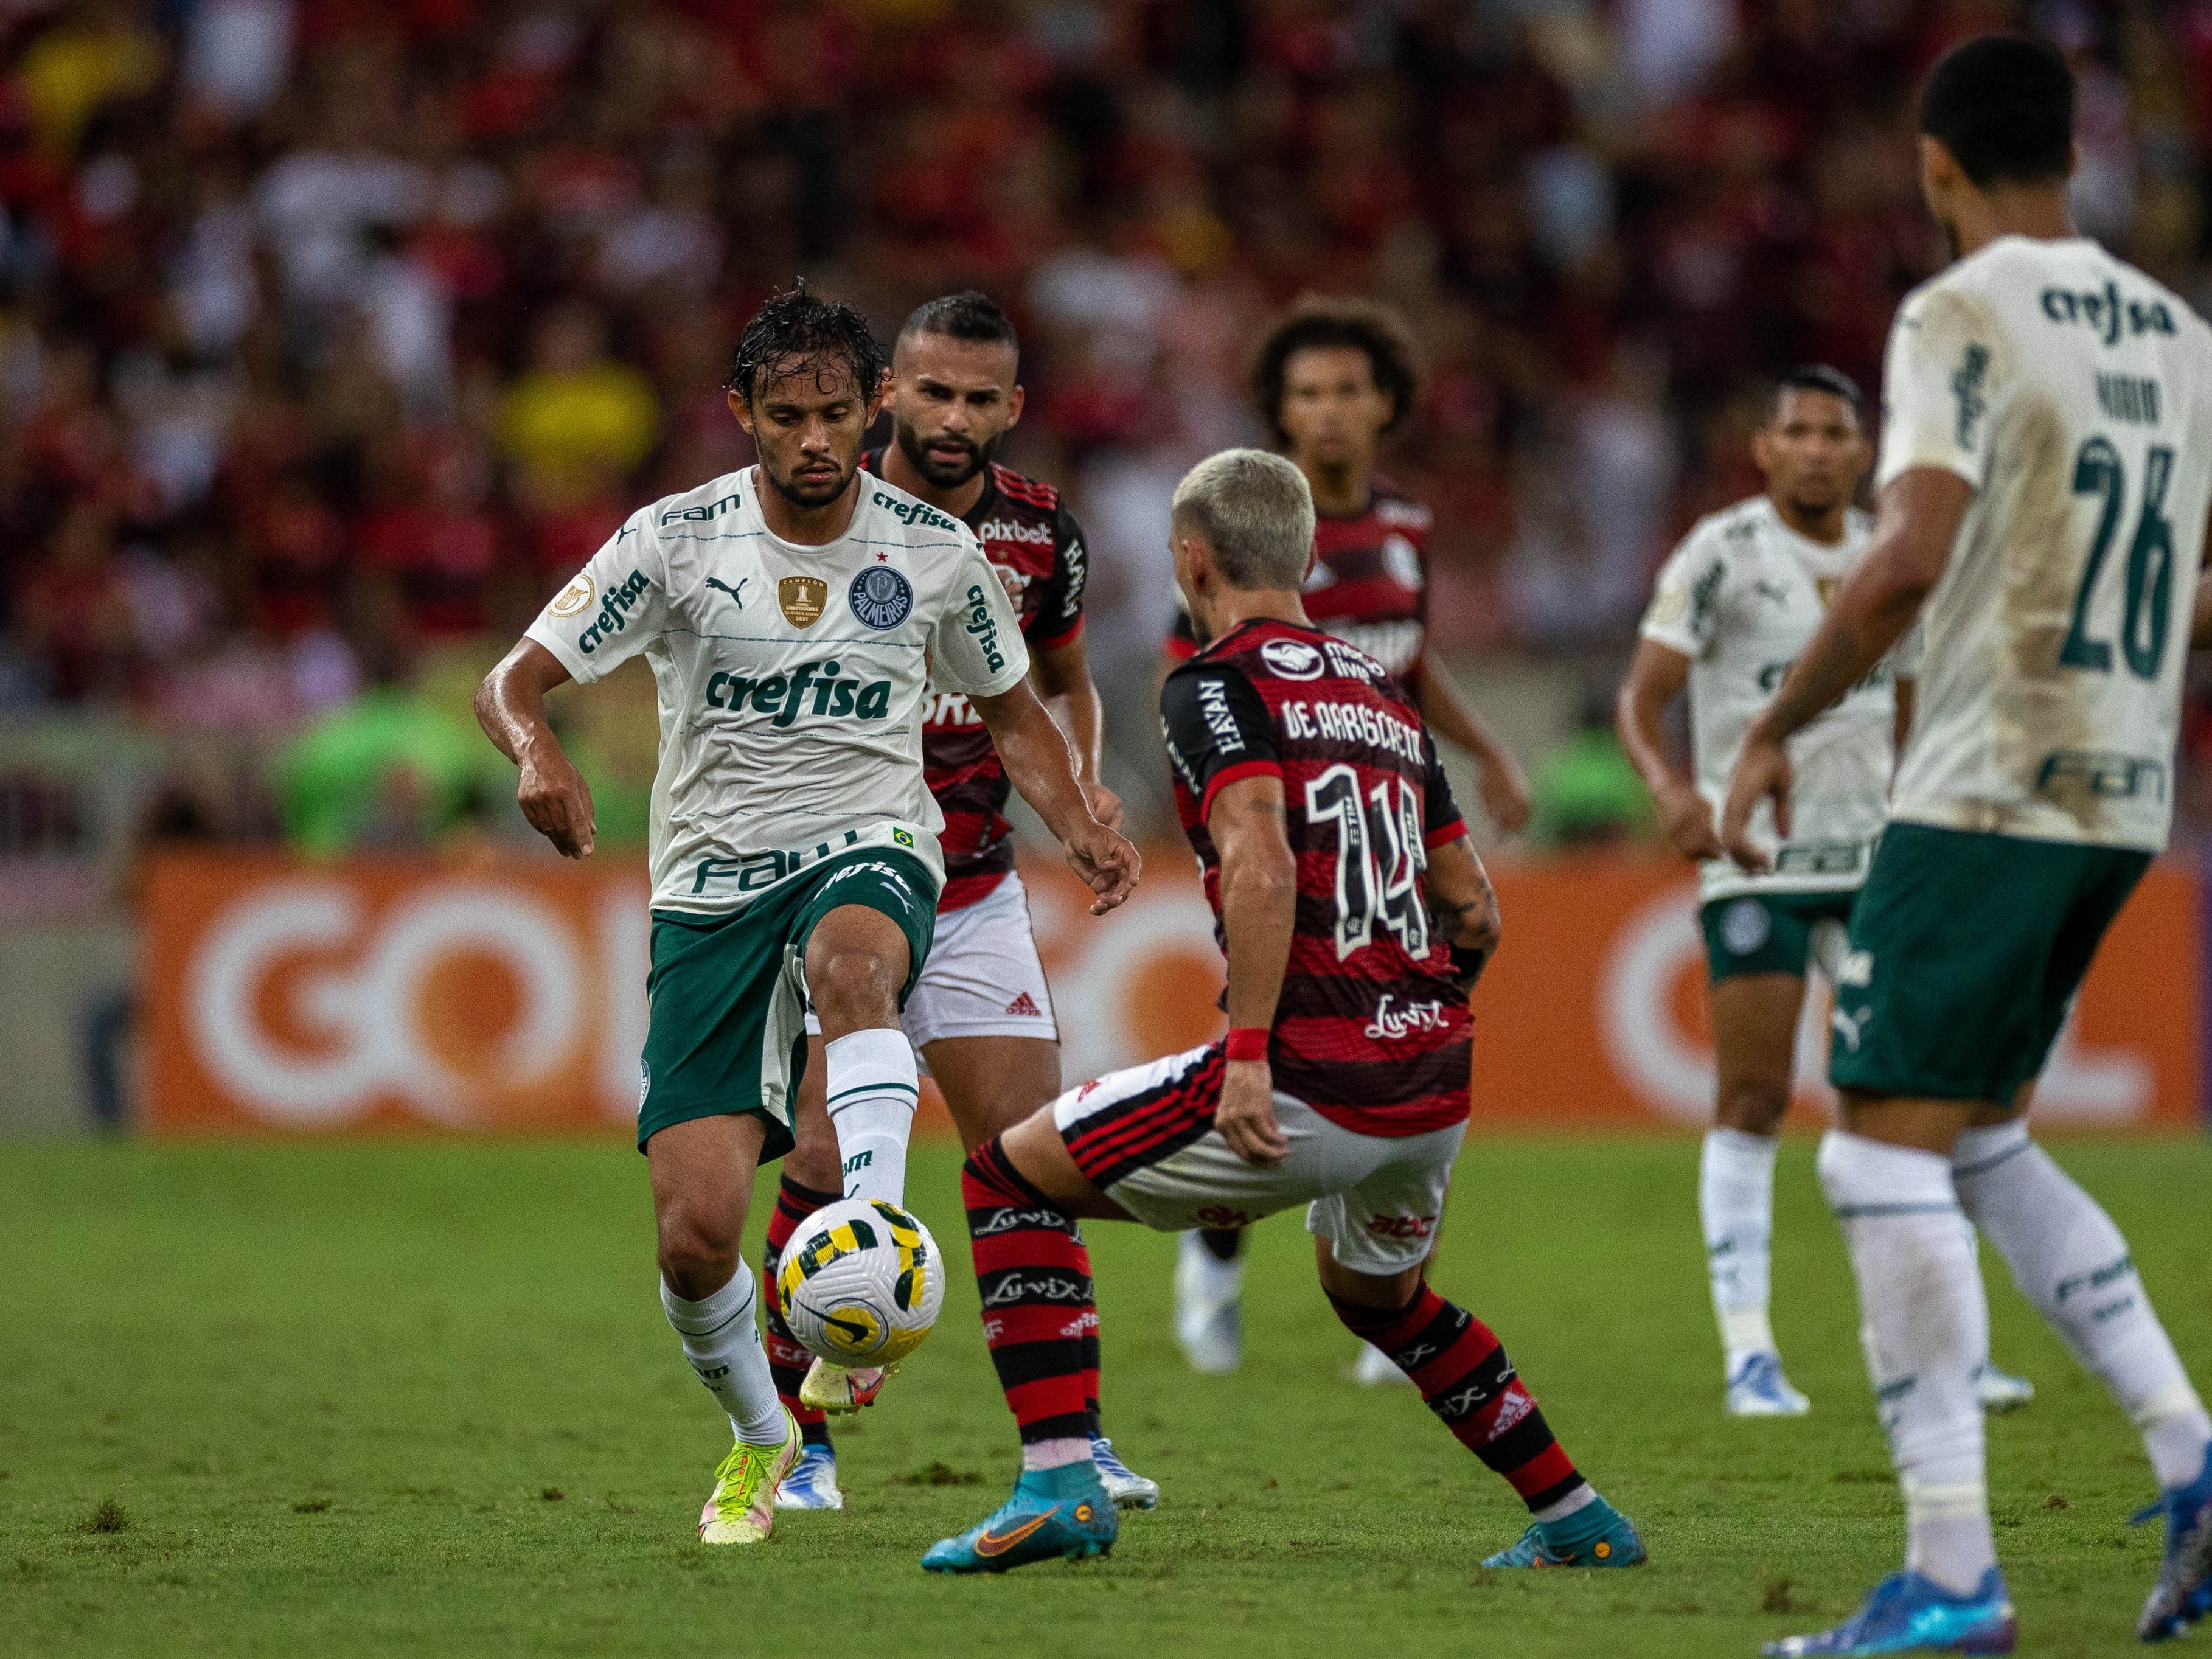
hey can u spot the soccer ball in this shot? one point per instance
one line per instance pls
(861, 1282)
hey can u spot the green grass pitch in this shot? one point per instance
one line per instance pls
(420, 1399)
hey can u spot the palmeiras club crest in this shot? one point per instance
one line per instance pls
(880, 597)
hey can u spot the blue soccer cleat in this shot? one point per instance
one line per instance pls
(1128, 1489)
(1054, 1515)
(813, 1482)
(2183, 1594)
(1759, 1389)
(1908, 1613)
(1595, 1535)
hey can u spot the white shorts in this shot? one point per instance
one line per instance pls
(982, 978)
(1145, 1138)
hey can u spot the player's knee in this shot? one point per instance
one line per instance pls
(1753, 1106)
(1345, 1286)
(697, 1256)
(854, 986)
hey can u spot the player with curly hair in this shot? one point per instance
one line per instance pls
(792, 614)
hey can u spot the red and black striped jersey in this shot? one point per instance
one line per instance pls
(1372, 1029)
(1368, 583)
(1036, 545)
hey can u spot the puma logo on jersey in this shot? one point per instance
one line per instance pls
(1850, 1026)
(737, 594)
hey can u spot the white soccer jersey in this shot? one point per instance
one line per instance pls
(1741, 597)
(2075, 394)
(791, 677)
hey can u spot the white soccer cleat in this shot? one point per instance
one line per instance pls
(1128, 1489)
(2000, 1392)
(813, 1482)
(1759, 1389)
(1208, 1323)
(839, 1389)
(1374, 1369)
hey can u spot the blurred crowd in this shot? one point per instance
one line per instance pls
(334, 334)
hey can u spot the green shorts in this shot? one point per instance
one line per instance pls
(728, 1028)
(1767, 932)
(1966, 953)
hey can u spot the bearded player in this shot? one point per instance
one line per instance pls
(1354, 915)
(2046, 474)
(1732, 609)
(787, 611)
(1330, 381)
(980, 1014)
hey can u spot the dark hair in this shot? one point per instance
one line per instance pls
(795, 333)
(966, 315)
(1318, 320)
(1817, 377)
(2003, 105)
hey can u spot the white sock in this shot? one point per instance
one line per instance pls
(1580, 1498)
(2071, 1262)
(1211, 1279)
(874, 1089)
(1735, 1203)
(722, 1338)
(1056, 1454)
(1925, 1324)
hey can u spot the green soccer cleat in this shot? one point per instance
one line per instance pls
(1595, 1535)
(1054, 1515)
(743, 1507)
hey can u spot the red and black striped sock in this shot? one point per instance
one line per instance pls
(787, 1357)
(1033, 1275)
(1090, 1409)
(1461, 1368)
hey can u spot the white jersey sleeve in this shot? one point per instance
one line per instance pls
(1903, 657)
(1937, 385)
(1685, 611)
(611, 608)
(977, 647)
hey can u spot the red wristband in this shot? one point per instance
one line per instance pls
(1246, 1043)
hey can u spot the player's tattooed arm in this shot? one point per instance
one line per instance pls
(1041, 764)
(1915, 525)
(1464, 908)
(1259, 915)
(510, 709)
